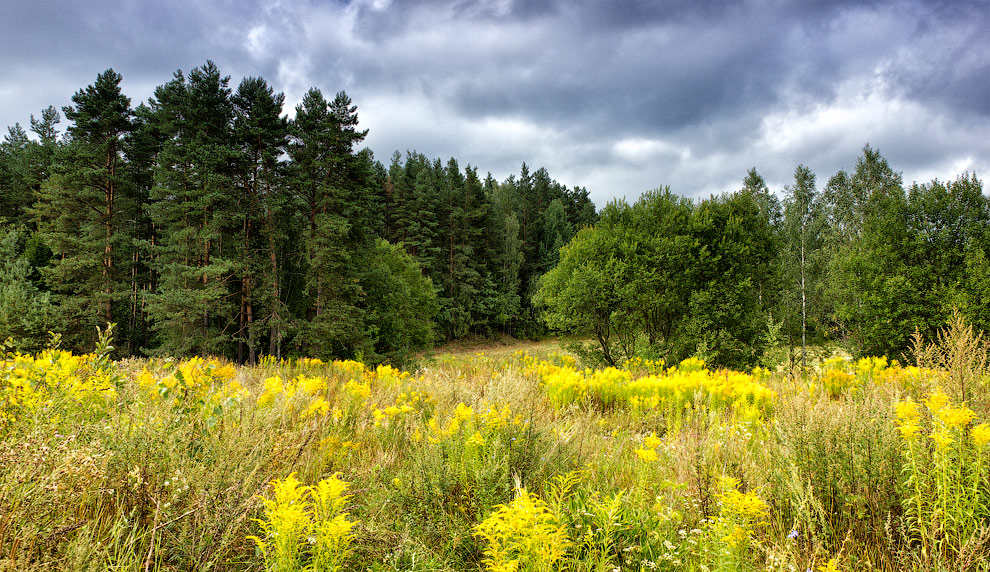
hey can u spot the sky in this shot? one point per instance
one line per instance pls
(617, 96)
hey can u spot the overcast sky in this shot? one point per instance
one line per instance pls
(617, 96)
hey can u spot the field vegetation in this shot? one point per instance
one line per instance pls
(520, 461)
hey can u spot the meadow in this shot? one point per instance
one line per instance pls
(508, 461)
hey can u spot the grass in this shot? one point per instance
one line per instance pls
(494, 457)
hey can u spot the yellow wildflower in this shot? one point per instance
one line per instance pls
(319, 406)
(273, 386)
(648, 455)
(937, 400)
(909, 432)
(311, 385)
(908, 411)
(476, 440)
(942, 439)
(830, 566)
(955, 417)
(652, 442)
(737, 535)
(358, 390)
(145, 379)
(463, 412)
(980, 434)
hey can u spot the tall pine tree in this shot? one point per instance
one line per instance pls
(193, 209)
(87, 206)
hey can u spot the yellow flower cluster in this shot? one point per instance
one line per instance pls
(949, 423)
(462, 413)
(644, 366)
(383, 416)
(741, 513)
(523, 535)
(29, 383)
(484, 425)
(348, 368)
(909, 419)
(313, 388)
(675, 388)
(194, 379)
(305, 516)
(358, 390)
(839, 374)
(386, 374)
(980, 434)
(837, 381)
(649, 451)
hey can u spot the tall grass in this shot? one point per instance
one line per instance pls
(499, 463)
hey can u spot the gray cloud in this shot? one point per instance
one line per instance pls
(618, 96)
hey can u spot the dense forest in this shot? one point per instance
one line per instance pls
(204, 221)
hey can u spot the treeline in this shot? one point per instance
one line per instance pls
(734, 278)
(204, 221)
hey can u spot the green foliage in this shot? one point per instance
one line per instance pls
(85, 207)
(399, 304)
(27, 313)
(583, 293)
(468, 464)
(204, 221)
(683, 278)
(801, 303)
(896, 259)
(194, 197)
(260, 136)
(523, 535)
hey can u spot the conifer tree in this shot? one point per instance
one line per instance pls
(194, 198)
(85, 207)
(260, 136)
(17, 182)
(336, 188)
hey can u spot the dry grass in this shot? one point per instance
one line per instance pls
(171, 478)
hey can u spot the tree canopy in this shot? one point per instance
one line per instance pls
(204, 221)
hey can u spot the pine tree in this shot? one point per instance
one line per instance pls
(27, 313)
(336, 187)
(194, 198)
(260, 136)
(86, 206)
(18, 183)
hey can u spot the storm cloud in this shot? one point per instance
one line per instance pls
(617, 96)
